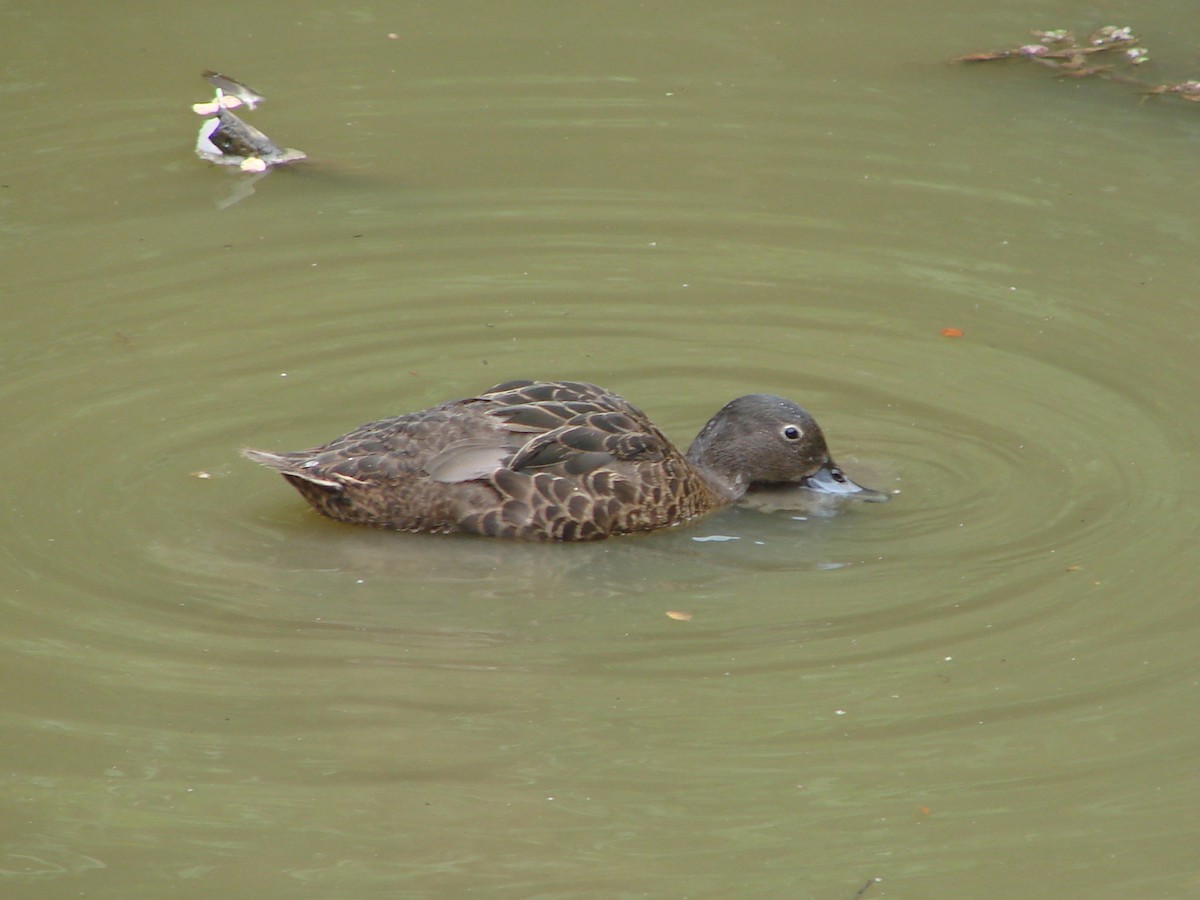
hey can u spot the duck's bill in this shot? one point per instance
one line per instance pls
(829, 479)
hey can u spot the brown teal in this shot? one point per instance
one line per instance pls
(556, 461)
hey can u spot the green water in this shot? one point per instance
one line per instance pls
(985, 688)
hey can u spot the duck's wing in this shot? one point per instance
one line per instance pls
(573, 428)
(534, 392)
(589, 442)
(564, 428)
(449, 443)
(590, 465)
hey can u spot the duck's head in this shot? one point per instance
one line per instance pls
(760, 440)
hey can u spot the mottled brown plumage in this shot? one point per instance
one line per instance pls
(561, 461)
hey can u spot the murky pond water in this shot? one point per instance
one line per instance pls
(985, 688)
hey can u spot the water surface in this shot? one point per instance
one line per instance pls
(981, 689)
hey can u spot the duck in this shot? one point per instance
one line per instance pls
(557, 461)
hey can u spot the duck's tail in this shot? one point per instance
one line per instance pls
(291, 465)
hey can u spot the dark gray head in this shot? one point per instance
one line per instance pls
(760, 439)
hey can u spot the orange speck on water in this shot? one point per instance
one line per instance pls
(952, 332)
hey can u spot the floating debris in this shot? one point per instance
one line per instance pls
(1110, 52)
(1187, 90)
(228, 141)
(679, 615)
(235, 92)
(1062, 51)
(225, 139)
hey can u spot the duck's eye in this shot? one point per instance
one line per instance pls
(838, 475)
(792, 433)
